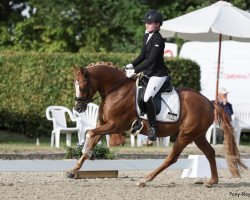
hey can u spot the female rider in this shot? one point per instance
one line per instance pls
(151, 63)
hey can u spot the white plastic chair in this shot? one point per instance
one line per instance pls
(143, 138)
(242, 114)
(163, 141)
(234, 123)
(210, 131)
(57, 115)
(86, 120)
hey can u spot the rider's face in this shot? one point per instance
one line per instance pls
(151, 27)
(222, 98)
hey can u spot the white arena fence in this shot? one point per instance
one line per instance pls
(193, 166)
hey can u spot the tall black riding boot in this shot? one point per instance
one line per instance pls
(151, 113)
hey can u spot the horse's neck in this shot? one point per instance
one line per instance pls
(108, 78)
(122, 90)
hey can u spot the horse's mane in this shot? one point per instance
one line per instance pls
(101, 63)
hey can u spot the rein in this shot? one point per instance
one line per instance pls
(113, 88)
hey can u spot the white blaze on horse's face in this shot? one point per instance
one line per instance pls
(77, 87)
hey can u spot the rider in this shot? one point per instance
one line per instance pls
(151, 63)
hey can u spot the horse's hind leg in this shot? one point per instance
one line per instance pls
(209, 152)
(178, 147)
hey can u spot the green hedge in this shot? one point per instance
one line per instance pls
(185, 73)
(30, 82)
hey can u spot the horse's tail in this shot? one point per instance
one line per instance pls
(232, 154)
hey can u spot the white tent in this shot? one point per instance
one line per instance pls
(235, 68)
(217, 22)
(207, 23)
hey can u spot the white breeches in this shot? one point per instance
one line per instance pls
(154, 85)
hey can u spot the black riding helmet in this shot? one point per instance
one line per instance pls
(153, 16)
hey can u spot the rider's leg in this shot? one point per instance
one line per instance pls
(151, 114)
(154, 85)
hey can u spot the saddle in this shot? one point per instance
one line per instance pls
(142, 84)
(167, 103)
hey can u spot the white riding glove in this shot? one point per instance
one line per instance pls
(130, 73)
(129, 66)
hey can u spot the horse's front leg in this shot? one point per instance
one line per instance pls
(92, 138)
(86, 153)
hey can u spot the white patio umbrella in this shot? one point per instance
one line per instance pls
(217, 22)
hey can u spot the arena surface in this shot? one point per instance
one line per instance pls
(168, 185)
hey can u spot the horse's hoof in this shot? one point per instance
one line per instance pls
(207, 185)
(210, 183)
(141, 184)
(199, 182)
(70, 174)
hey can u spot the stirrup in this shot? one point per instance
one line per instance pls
(136, 127)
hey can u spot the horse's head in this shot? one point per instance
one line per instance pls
(103, 77)
(84, 89)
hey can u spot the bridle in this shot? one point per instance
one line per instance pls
(85, 100)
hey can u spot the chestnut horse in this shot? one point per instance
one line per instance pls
(117, 113)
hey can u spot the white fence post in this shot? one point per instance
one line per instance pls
(201, 167)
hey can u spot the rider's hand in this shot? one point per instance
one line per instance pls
(129, 66)
(130, 73)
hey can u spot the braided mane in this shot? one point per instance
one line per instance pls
(108, 64)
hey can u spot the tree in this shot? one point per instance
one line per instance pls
(85, 25)
(10, 14)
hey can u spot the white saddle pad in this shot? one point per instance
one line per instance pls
(173, 106)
